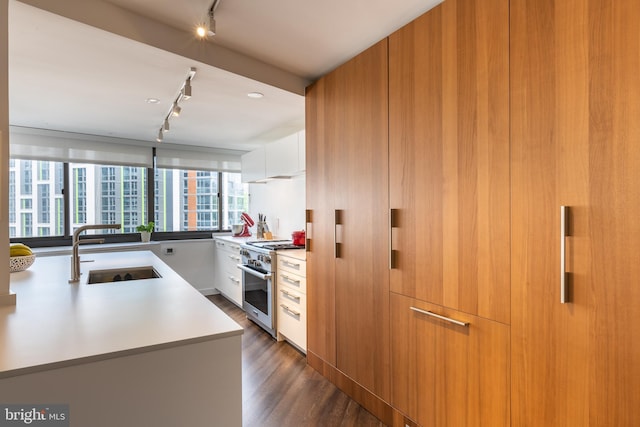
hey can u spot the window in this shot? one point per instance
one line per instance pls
(106, 194)
(202, 198)
(183, 200)
(32, 214)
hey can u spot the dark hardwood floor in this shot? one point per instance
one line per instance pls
(279, 389)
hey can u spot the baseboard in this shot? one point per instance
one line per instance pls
(372, 403)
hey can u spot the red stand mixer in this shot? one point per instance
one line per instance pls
(248, 222)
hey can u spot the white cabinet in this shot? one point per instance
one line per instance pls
(292, 300)
(283, 158)
(228, 278)
(254, 165)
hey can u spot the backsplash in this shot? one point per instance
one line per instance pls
(282, 201)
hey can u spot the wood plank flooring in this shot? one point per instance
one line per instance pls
(279, 389)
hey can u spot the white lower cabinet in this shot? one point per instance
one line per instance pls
(228, 278)
(292, 301)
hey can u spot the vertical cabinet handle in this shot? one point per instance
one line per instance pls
(307, 243)
(392, 224)
(337, 220)
(564, 276)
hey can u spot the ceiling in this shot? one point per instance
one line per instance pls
(87, 66)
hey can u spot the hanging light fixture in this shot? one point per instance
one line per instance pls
(208, 29)
(183, 94)
(175, 111)
(186, 90)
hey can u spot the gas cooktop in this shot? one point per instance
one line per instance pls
(274, 245)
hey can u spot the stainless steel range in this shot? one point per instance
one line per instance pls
(258, 281)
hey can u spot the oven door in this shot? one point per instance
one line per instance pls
(257, 297)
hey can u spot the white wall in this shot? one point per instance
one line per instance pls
(283, 202)
(6, 297)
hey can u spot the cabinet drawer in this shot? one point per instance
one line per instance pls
(292, 316)
(232, 288)
(228, 246)
(292, 265)
(293, 281)
(448, 368)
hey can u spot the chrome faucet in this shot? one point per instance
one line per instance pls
(76, 242)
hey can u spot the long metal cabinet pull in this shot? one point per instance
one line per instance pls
(392, 225)
(290, 295)
(295, 313)
(564, 276)
(437, 316)
(307, 243)
(336, 223)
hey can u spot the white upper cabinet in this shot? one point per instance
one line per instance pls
(254, 165)
(283, 158)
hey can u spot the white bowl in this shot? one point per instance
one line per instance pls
(20, 263)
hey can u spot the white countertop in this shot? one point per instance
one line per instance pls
(300, 254)
(57, 324)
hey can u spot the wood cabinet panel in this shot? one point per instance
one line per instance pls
(321, 150)
(362, 273)
(446, 374)
(347, 172)
(449, 157)
(575, 99)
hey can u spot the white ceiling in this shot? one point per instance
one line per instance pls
(66, 74)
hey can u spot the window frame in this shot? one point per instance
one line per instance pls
(66, 240)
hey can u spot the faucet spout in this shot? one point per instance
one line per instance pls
(76, 242)
(76, 234)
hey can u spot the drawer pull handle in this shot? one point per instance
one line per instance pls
(564, 276)
(290, 264)
(393, 213)
(233, 279)
(295, 297)
(295, 313)
(289, 279)
(437, 316)
(235, 258)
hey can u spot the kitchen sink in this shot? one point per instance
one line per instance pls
(122, 274)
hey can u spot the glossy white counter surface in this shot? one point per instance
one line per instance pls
(57, 324)
(238, 240)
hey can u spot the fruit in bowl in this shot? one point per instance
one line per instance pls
(21, 257)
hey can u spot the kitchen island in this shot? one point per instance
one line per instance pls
(129, 353)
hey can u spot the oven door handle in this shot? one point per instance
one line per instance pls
(253, 272)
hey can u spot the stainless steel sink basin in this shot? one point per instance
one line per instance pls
(122, 274)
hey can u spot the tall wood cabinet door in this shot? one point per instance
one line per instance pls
(321, 105)
(449, 157)
(362, 267)
(446, 374)
(575, 103)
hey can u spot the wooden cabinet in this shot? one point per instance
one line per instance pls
(449, 191)
(228, 279)
(448, 374)
(292, 299)
(321, 149)
(575, 100)
(449, 157)
(347, 194)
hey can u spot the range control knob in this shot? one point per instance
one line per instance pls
(266, 258)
